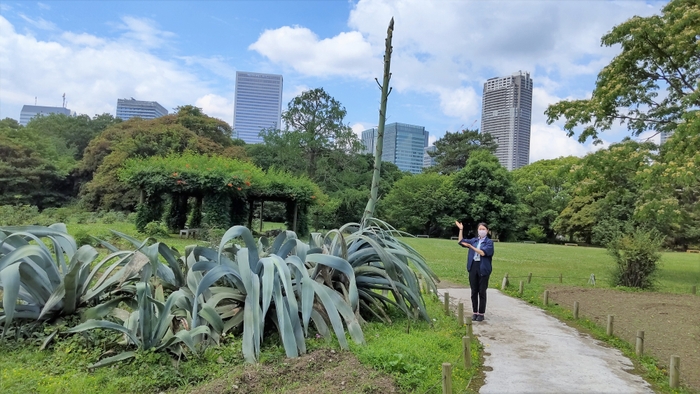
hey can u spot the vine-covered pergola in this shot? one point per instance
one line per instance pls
(223, 191)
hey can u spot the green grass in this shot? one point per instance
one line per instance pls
(677, 272)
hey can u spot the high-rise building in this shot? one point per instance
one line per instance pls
(665, 136)
(404, 145)
(506, 115)
(132, 108)
(30, 111)
(428, 161)
(257, 105)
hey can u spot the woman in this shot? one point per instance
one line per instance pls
(479, 267)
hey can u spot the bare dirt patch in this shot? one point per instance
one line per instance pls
(671, 322)
(321, 371)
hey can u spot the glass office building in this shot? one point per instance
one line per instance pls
(506, 114)
(30, 111)
(132, 108)
(257, 105)
(404, 145)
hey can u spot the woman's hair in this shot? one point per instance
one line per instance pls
(483, 224)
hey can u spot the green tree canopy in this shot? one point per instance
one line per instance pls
(484, 192)
(417, 203)
(650, 84)
(313, 126)
(453, 150)
(544, 190)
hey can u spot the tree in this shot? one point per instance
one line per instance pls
(75, 132)
(106, 154)
(416, 203)
(544, 190)
(484, 192)
(605, 192)
(314, 124)
(650, 84)
(453, 149)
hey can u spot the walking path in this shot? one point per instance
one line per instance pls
(529, 351)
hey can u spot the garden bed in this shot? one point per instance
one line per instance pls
(671, 322)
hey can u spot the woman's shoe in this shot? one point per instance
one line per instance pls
(479, 318)
(475, 316)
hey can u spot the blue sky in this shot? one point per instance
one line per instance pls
(179, 52)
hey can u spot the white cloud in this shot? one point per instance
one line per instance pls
(95, 71)
(346, 54)
(39, 23)
(358, 128)
(431, 140)
(216, 106)
(550, 142)
(461, 103)
(288, 95)
(43, 6)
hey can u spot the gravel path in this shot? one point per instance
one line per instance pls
(528, 351)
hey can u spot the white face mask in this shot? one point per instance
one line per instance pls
(482, 233)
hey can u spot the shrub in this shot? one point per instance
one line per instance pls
(14, 215)
(637, 257)
(131, 218)
(113, 217)
(536, 233)
(156, 229)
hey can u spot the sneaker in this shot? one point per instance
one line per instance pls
(475, 316)
(479, 318)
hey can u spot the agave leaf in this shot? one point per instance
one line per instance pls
(243, 232)
(341, 265)
(212, 317)
(106, 245)
(104, 309)
(113, 360)
(9, 277)
(268, 283)
(307, 292)
(92, 324)
(331, 310)
(172, 261)
(252, 323)
(320, 324)
(138, 244)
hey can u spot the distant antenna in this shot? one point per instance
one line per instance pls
(64, 100)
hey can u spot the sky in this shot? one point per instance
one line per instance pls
(188, 52)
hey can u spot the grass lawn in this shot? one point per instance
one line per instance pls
(677, 272)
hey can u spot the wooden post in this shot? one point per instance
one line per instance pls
(639, 349)
(296, 213)
(575, 310)
(609, 330)
(251, 206)
(561, 279)
(504, 284)
(262, 203)
(469, 327)
(546, 297)
(446, 378)
(460, 313)
(673, 372)
(694, 290)
(447, 304)
(522, 286)
(529, 278)
(467, 352)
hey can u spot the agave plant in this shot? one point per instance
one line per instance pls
(43, 274)
(284, 288)
(152, 325)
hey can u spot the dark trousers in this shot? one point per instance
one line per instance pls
(478, 284)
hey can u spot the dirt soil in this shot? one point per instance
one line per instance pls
(322, 371)
(671, 322)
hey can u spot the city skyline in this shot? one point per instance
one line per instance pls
(189, 54)
(404, 145)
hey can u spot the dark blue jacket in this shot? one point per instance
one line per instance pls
(487, 247)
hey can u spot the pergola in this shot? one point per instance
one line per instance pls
(223, 191)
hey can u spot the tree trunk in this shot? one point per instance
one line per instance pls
(372, 203)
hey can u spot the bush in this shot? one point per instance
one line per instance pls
(536, 233)
(17, 215)
(156, 229)
(131, 218)
(113, 216)
(82, 237)
(213, 235)
(637, 257)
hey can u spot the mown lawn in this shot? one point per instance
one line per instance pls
(677, 272)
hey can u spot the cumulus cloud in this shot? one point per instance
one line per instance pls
(346, 54)
(94, 71)
(550, 142)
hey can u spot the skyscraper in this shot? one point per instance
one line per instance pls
(132, 108)
(30, 111)
(404, 145)
(428, 161)
(257, 105)
(506, 114)
(665, 136)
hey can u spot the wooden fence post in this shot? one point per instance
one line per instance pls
(694, 289)
(674, 372)
(467, 352)
(447, 304)
(504, 284)
(576, 310)
(469, 327)
(561, 278)
(446, 378)
(609, 330)
(546, 297)
(520, 290)
(639, 348)
(529, 278)
(460, 313)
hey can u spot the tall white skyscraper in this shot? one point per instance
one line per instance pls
(506, 114)
(404, 145)
(132, 108)
(257, 106)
